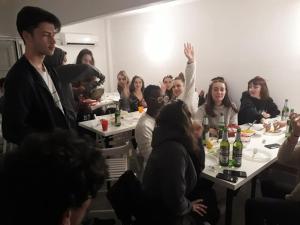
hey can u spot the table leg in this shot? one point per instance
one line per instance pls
(253, 187)
(229, 201)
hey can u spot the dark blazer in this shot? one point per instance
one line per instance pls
(28, 104)
(251, 108)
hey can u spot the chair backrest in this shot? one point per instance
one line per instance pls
(116, 160)
(126, 198)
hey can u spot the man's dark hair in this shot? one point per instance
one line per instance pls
(30, 17)
(47, 175)
(149, 91)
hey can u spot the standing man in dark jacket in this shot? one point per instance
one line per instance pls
(33, 97)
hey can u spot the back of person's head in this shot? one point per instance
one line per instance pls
(264, 92)
(150, 92)
(210, 103)
(30, 17)
(48, 176)
(55, 60)
(82, 53)
(176, 116)
(132, 87)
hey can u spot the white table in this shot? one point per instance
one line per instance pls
(128, 122)
(252, 168)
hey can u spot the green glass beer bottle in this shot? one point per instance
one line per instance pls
(224, 149)
(237, 151)
(289, 127)
(117, 116)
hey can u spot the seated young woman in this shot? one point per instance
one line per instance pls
(217, 105)
(136, 97)
(256, 103)
(171, 173)
(123, 89)
(168, 85)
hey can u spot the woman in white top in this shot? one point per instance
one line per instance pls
(217, 104)
(184, 86)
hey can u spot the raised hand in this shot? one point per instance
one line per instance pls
(189, 52)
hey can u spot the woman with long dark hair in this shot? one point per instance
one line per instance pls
(217, 104)
(136, 97)
(256, 103)
(170, 175)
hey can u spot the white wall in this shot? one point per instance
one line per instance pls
(233, 38)
(95, 27)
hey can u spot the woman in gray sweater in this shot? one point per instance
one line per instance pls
(217, 104)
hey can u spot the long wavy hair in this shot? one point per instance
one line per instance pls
(132, 88)
(210, 103)
(82, 53)
(124, 74)
(264, 92)
(176, 116)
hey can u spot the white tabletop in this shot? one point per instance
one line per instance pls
(252, 166)
(128, 122)
(107, 98)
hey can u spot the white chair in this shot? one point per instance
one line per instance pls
(116, 160)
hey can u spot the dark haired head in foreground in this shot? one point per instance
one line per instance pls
(50, 179)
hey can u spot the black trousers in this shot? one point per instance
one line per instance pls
(272, 211)
(273, 208)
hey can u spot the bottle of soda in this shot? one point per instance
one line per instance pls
(224, 149)
(289, 127)
(117, 115)
(237, 151)
(221, 125)
(285, 111)
(205, 132)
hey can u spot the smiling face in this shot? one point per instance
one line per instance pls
(138, 84)
(254, 90)
(178, 87)
(41, 41)
(218, 92)
(168, 82)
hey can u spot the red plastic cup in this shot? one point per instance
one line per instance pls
(104, 124)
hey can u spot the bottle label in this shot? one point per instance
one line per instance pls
(224, 156)
(237, 156)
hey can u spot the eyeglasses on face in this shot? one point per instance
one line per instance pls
(162, 99)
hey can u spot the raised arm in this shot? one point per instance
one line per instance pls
(190, 78)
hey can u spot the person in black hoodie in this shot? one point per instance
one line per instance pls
(170, 175)
(256, 104)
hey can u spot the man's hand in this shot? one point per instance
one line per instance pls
(189, 52)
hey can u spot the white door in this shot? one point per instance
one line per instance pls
(8, 56)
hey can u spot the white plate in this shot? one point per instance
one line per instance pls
(260, 156)
(274, 133)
